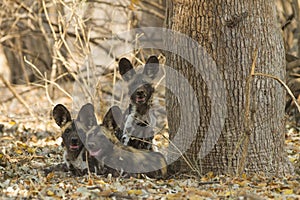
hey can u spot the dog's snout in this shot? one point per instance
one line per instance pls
(91, 145)
(140, 92)
(74, 140)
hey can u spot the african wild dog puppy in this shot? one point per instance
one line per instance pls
(75, 152)
(103, 145)
(138, 118)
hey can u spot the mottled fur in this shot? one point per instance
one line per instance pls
(103, 145)
(138, 119)
(75, 153)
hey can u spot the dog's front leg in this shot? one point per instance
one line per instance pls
(128, 129)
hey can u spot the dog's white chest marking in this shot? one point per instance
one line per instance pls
(132, 121)
(128, 126)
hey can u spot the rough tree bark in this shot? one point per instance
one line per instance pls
(231, 31)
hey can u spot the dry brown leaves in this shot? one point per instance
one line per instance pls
(29, 146)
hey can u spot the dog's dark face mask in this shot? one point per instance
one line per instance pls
(71, 140)
(140, 90)
(140, 86)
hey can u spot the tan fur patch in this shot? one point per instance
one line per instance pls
(67, 125)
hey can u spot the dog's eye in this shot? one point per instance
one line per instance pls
(67, 131)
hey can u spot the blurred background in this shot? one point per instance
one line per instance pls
(48, 46)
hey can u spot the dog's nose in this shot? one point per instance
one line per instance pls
(91, 145)
(74, 140)
(140, 92)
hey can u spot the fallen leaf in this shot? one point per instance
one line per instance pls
(262, 184)
(12, 123)
(31, 150)
(90, 182)
(135, 192)
(288, 191)
(101, 182)
(50, 176)
(18, 151)
(196, 192)
(21, 145)
(50, 193)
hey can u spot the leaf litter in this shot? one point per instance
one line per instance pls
(29, 146)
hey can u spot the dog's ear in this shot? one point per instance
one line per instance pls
(86, 116)
(126, 69)
(151, 67)
(82, 130)
(61, 115)
(113, 118)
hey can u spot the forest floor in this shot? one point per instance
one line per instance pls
(31, 142)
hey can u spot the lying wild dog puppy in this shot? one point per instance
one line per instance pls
(103, 145)
(139, 121)
(75, 152)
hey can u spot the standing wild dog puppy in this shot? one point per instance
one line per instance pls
(75, 152)
(138, 119)
(103, 145)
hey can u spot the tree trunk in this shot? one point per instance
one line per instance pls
(230, 32)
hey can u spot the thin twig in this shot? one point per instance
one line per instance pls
(209, 182)
(21, 93)
(34, 67)
(54, 57)
(14, 92)
(151, 12)
(246, 136)
(49, 21)
(60, 88)
(46, 80)
(87, 164)
(47, 92)
(283, 84)
(20, 53)
(155, 4)
(184, 158)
